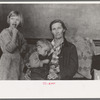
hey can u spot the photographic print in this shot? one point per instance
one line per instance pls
(37, 52)
(49, 49)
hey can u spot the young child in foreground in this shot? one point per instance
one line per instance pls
(38, 61)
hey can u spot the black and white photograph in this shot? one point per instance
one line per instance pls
(51, 47)
(49, 41)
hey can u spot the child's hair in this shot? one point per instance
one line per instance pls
(44, 42)
(15, 13)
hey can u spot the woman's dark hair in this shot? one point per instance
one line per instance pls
(57, 21)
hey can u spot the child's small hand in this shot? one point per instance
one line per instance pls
(46, 61)
(14, 31)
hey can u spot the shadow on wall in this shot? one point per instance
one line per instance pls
(71, 33)
(84, 17)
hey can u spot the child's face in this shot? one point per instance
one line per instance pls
(14, 21)
(43, 50)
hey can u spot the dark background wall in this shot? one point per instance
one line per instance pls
(82, 19)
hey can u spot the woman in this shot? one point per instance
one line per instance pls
(64, 62)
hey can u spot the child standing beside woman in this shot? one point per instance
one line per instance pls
(12, 45)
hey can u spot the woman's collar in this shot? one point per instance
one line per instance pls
(53, 42)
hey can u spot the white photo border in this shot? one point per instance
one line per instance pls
(50, 89)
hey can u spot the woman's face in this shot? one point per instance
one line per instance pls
(57, 30)
(14, 21)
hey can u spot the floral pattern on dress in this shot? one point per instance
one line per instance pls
(54, 64)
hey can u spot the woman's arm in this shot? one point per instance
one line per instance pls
(72, 66)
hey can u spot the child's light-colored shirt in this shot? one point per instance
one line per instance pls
(39, 70)
(34, 60)
(11, 63)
